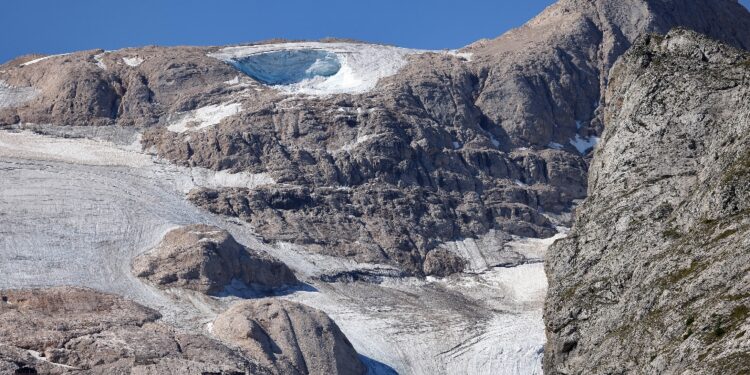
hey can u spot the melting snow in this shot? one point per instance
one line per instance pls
(584, 144)
(132, 61)
(203, 117)
(213, 179)
(339, 68)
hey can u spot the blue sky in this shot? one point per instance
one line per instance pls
(55, 26)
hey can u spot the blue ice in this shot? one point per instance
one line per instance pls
(289, 66)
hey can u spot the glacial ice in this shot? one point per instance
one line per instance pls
(288, 66)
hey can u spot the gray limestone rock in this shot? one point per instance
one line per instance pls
(69, 330)
(290, 337)
(655, 277)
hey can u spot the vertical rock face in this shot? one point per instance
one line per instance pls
(655, 275)
(207, 259)
(288, 336)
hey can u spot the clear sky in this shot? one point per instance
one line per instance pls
(56, 26)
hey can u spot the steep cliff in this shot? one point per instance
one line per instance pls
(654, 276)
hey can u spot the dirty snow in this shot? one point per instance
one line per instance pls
(133, 61)
(99, 62)
(14, 96)
(584, 144)
(202, 118)
(361, 65)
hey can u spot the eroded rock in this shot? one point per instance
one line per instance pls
(290, 337)
(208, 259)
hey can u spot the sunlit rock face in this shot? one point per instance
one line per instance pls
(289, 66)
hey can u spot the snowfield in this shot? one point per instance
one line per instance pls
(358, 66)
(75, 211)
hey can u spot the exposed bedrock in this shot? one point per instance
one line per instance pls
(207, 259)
(445, 149)
(69, 330)
(654, 278)
(289, 337)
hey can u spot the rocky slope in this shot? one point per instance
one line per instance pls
(456, 164)
(73, 331)
(654, 276)
(449, 146)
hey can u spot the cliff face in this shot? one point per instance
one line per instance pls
(449, 147)
(654, 277)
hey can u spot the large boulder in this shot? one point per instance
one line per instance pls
(290, 337)
(71, 330)
(207, 259)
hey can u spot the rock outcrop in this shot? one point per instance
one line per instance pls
(448, 148)
(69, 330)
(208, 259)
(289, 337)
(655, 277)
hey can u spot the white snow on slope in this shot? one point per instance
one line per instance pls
(133, 61)
(13, 96)
(42, 59)
(584, 144)
(203, 117)
(99, 62)
(362, 65)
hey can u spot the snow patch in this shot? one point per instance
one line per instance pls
(203, 117)
(555, 146)
(133, 61)
(220, 179)
(584, 144)
(43, 58)
(14, 96)
(337, 67)
(99, 62)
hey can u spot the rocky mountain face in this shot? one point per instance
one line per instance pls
(447, 148)
(464, 165)
(655, 277)
(74, 331)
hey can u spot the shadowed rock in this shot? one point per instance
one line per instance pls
(207, 259)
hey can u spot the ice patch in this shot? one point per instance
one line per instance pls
(42, 59)
(456, 145)
(555, 146)
(584, 144)
(329, 68)
(14, 96)
(132, 61)
(203, 117)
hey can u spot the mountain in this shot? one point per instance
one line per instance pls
(653, 277)
(412, 193)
